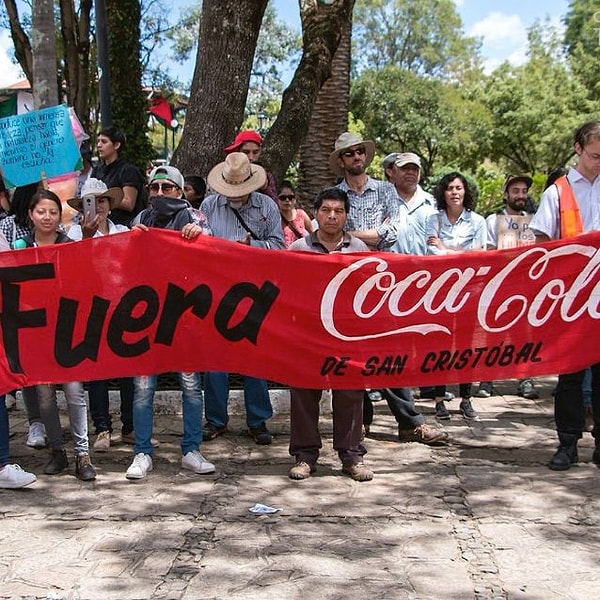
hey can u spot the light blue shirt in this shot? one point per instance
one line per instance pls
(260, 214)
(468, 233)
(413, 240)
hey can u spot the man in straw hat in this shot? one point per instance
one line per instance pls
(376, 217)
(237, 212)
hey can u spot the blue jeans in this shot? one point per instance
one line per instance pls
(99, 404)
(256, 399)
(143, 411)
(587, 387)
(4, 433)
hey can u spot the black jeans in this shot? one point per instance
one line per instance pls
(569, 413)
(402, 405)
(99, 406)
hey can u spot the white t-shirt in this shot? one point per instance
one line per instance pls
(547, 218)
(76, 234)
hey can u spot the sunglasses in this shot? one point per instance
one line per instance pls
(165, 188)
(350, 153)
(286, 196)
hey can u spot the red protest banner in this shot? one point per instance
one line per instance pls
(148, 302)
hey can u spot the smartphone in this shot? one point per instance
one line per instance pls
(89, 207)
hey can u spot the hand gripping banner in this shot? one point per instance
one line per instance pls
(150, 302)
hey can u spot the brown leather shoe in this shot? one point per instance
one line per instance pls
(84, 469)
(358, 472)
(425, 434)
(301, 470)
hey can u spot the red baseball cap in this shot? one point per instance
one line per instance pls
(245, 136)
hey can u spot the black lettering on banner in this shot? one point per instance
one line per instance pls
(501, 355)
(67, 355)
(335, 365)
(123, 321)
(388, 365)
(12, 319)
(176, 303)
(262, 299)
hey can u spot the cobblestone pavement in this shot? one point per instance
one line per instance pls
(482, 518)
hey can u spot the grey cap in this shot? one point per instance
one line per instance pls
(167, 172)
(390, 159)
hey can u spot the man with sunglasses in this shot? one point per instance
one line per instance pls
(376, 217)
(169, 210)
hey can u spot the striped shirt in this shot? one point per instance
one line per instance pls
(377, 207)
(260, 213)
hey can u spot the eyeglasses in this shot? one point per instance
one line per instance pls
(285, 197)
(165, 188)
(595, 157)
(351, 153)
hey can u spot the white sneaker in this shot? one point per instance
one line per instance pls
(102, 443)
(139, 468)
(12, 477)
(194, 461)
(36, 437)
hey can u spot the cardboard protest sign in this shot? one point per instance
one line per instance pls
(37, 145)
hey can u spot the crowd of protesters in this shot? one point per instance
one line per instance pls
(239, 201)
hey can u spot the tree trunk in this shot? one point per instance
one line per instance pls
(45, 77)
(75, 31)
(323, 27)
(220, 86)
(329, 120)
(129, 104)
(228, 34)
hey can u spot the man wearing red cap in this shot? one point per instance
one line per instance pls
(250, 143)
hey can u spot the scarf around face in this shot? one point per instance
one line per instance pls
(166, 213)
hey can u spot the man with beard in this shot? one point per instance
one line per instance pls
(169, 210)
(376, 217)
(509, 228)
(238, 212)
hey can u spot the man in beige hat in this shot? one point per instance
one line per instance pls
(238, 212)
(403, 171)
(376, 217)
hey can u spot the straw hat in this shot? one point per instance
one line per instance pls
(347, 141)
(236, 176)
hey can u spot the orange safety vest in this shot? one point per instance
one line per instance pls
(570, 218)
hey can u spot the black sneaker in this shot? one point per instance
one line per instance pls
(467, 410)
(58, 463)
(210, 432)
(441, 412)
(262, 436)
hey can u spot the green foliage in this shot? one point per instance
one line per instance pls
(582, 40)
(534, 108)
(424, 37)
(129, 103)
